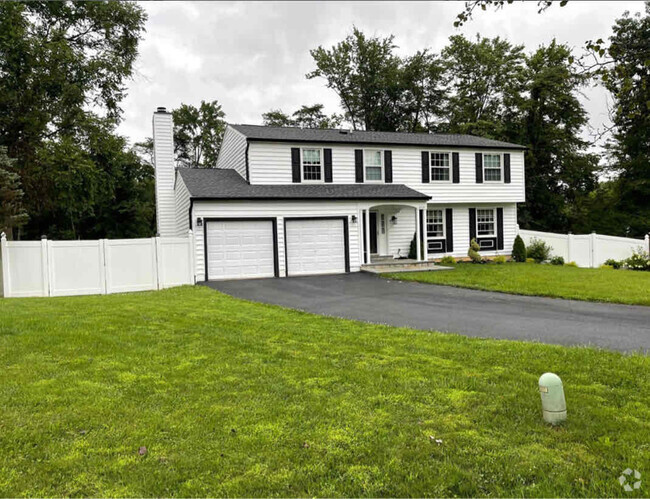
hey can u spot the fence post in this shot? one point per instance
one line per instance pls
(159, 263)
(594, 253)
(102, 265)
(154, 260)
(190, 234)
(45, 266)
(569, 244)
(4, 258)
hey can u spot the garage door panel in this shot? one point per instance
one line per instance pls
(315, 246)
(240, 249)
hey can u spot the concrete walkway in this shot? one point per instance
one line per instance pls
(370, 298)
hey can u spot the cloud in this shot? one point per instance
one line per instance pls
(253, 56)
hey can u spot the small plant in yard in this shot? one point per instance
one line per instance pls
(499, 260)
(605, 266)
(538, 250)
(519, 250)
(640, 260)
(413, 251)
(571, 264)
(530, 260)
(557, 260)
(473, 253)
(448, 260)
(615, 264)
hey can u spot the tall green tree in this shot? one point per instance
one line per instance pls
(58, 61)
(276, 117)
(305, 117)
(550, 121)
(12, 212)
(625, 72)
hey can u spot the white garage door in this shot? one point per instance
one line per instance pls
(315, 247)
(240, 249)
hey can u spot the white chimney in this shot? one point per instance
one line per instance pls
(163, 159)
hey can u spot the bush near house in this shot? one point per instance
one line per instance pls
(640, 260)
(557, 260)
(499, 260)
(473, 253)
(615, 264)
(187, 392)
(448, 260)
(519, 250)
(538, 250)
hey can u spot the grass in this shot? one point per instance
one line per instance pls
(605, 285)
(233, 398)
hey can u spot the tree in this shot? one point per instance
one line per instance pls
(484, 77)
(305, 117)
(471, 5)
(625, 72)
(59, 61)
(551, 119)
(275, 117)
(12, 213)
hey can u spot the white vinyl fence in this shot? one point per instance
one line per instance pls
(589, 250)
(65, 268)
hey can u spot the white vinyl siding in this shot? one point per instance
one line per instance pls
(182, 207)
(270, 163)
(232, 154)
(164, 174)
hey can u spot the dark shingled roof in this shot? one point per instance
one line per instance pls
(293, 134)
(213, 183)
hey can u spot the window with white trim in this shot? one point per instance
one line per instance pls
(435, 224)
(492, 167)
(312, 165)
(440, 167)
(485, 225)
(373, 165)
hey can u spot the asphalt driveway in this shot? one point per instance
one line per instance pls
(370, 298)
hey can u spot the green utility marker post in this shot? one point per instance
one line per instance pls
(553, 402)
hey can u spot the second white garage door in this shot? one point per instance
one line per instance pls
(315, 246)
(240, 249)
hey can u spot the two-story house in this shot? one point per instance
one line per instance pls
(291, 201)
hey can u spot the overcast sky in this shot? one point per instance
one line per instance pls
(252, 57)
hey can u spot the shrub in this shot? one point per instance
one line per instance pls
(473, 252)
(557, 260)
(448, 260)
(499, 259)
(538, 250)
(615, 264)
(571, 264)
(530, 260)
(519, 250)
(640, 260)
(605, 266)
(413, 249)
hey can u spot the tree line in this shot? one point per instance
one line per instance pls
(66, 173)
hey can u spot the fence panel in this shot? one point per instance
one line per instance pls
(76, 268)
(25, 268)
(175, 257)
(130, 265)
(617, 248)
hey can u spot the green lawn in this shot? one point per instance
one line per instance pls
(233, 398)
(607, 285)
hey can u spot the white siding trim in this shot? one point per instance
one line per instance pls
(232, 154)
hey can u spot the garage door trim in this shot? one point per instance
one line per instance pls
(274, 230)
(346, 239)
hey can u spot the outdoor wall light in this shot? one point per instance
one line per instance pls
(199, 222)
(354, 219)
(393, 219)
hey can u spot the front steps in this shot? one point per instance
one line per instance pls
(380, 265)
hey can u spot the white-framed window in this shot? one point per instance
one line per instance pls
(436, 224)
(485, 222)
(373, 165)
(312, 164)
(440, 166)
(492, 167)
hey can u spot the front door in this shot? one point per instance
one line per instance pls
(373, 232)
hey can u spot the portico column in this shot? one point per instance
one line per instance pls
(418, 239)
(367, 237)
(425, 254)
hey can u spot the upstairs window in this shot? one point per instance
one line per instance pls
(492, 167)
(435, 224)
(312, 165)
(440, 167)
(373, 166)
(485, 223)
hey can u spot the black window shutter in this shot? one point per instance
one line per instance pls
(506, 168)
(423, 248)
(388, 166)
(472, 224)
(425, 167)
(327, 153)
(358, 165)
(499, 228)
(479, 167)
(449, 222)
(295, 165)
(455, 162)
